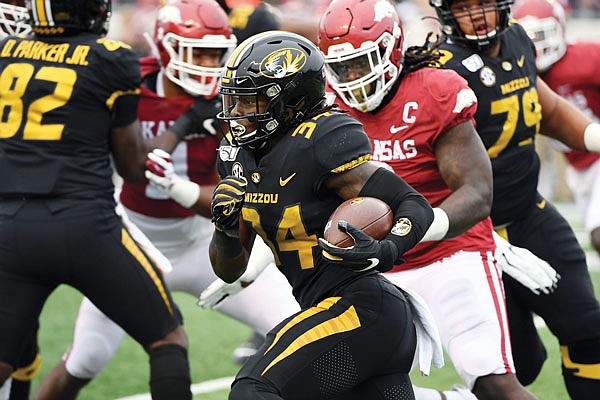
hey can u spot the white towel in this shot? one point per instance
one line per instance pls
(429, 345)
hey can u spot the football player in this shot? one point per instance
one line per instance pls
(287, 163)
(569, 69)
(71, 98)
(172, 208)
(498, 59)
(420, 122)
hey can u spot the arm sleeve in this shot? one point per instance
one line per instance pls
(412, 213)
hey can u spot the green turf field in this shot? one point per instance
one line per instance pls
(212, 339)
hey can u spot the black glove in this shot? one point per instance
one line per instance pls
(366, 253)
(226, 205)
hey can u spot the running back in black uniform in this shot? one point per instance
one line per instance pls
(508, 117)
(354, 337)
(65, 93)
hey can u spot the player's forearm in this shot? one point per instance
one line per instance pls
(202, 204)
(561, 120)
(167, 142)
(227, 256)
(466, 207)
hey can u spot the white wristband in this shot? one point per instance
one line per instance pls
(184, 192)
(439, 226)
(591, 137)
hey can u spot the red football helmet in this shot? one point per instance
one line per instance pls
(544, 21)
(185, 25)
(14, 18)
(363, 44)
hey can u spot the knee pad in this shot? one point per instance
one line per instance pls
(581, 368)
(89, 355)
(170, 373)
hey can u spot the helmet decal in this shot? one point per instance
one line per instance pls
(282, 63)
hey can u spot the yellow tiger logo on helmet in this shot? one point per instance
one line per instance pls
(283, 62)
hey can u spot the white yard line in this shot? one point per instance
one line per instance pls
(197, 388)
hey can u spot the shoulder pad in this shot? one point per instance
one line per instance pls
(445, 56)
(113, 45)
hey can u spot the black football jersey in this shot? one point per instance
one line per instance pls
(59, 98)
(287, 203)
(508, 116)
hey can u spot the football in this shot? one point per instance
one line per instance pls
(372, 215)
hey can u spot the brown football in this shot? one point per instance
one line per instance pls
(371, 215)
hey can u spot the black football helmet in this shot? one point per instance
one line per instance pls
(451, 28)
(64, 17)
(282, 67)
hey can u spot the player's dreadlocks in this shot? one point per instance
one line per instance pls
(426, 55)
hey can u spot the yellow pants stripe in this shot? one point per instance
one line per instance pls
(135, 251)
(345, 322)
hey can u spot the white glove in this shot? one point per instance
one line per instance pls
(160, 172)
(260, 257)
(142, 240)
(524, 266)
(219, 290)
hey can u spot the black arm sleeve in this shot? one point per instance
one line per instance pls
(412, 212)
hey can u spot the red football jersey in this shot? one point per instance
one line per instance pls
(575, 77)
(194, 157)
(403, 134)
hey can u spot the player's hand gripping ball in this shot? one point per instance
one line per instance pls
(354, 237)
(373, 216)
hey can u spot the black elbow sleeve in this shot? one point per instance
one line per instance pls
(412, 212)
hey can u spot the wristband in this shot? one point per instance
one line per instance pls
(439, 227)
(591, 137)
(184, 192)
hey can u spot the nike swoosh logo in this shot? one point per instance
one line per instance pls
(283, 182)
(374, 263)
(394, 129)
(541, 204)
(520, 61)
